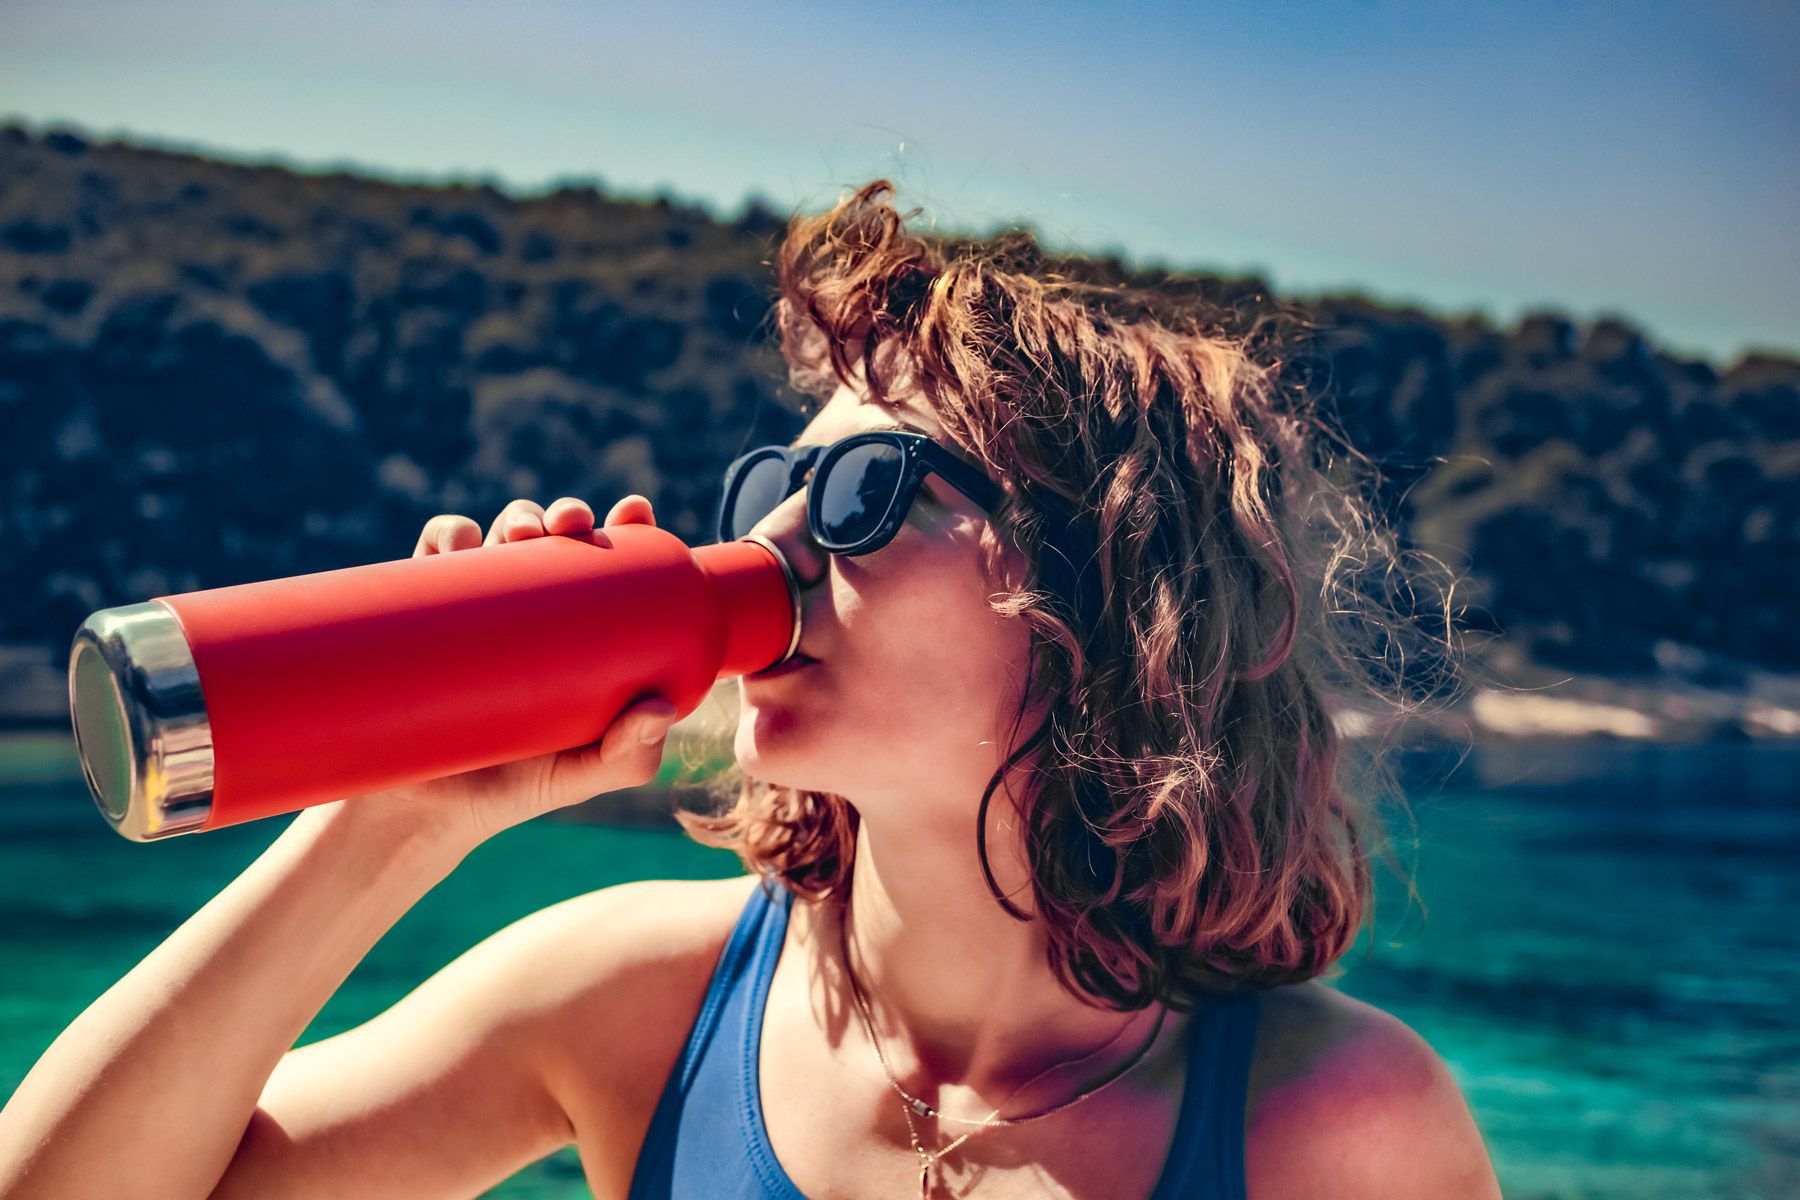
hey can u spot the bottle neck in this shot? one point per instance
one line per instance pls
(760, 600)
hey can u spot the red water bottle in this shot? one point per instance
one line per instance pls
(214, 707)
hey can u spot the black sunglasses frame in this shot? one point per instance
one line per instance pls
(921, 456)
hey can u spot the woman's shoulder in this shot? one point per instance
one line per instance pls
(601, 991)
(621, 945)
(661, 918)
(607, 983)
(1348, 1100)
(654, 926)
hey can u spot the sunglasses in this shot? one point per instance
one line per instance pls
(861, 489)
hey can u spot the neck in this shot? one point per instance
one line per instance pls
(961, 994)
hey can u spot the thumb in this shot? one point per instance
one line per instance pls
(652, 717)
(628, 754)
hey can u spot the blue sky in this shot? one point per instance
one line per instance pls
(1630, 158)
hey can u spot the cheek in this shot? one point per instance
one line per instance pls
(940, 651)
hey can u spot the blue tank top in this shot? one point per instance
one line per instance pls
(707, 1140)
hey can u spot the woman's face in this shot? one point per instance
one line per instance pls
(917, 678)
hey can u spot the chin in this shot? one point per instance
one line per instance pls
(771, 744)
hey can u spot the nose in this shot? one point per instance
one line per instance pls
(786, 527)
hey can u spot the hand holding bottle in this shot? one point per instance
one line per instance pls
(628, 754)
(411, 709)
(501, 671)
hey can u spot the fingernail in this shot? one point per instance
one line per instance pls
(658, 723)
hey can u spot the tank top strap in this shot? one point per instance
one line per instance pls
(692, 1148)
(1206, 1158)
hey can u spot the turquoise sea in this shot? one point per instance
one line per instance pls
(1609, 956)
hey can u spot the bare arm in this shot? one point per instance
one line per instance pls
(148, 1091)
(566, 1021)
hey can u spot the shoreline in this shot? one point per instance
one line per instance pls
(1519, 704)
(43, 753)
(1518, 699)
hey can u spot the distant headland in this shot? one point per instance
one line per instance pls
(215, 372)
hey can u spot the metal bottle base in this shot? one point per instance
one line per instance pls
(141, 730)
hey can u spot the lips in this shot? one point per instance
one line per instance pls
(796, 663)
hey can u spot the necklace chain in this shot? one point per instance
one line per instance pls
(912, 1105)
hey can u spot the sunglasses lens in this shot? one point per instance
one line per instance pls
(760, 488)
(859, 488)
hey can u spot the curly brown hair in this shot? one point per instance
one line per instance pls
(1195, 823)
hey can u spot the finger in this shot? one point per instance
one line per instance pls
(632, 510)
(446, 532)
(630, 753)
(518, 520)
(652, 717)
(644, 724)
(568, 515)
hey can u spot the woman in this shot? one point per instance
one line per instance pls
(1050, 833)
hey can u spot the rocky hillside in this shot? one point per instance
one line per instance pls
(212, 373)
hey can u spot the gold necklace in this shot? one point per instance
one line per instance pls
(911, 1104)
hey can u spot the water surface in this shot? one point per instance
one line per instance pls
(1607, 959)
